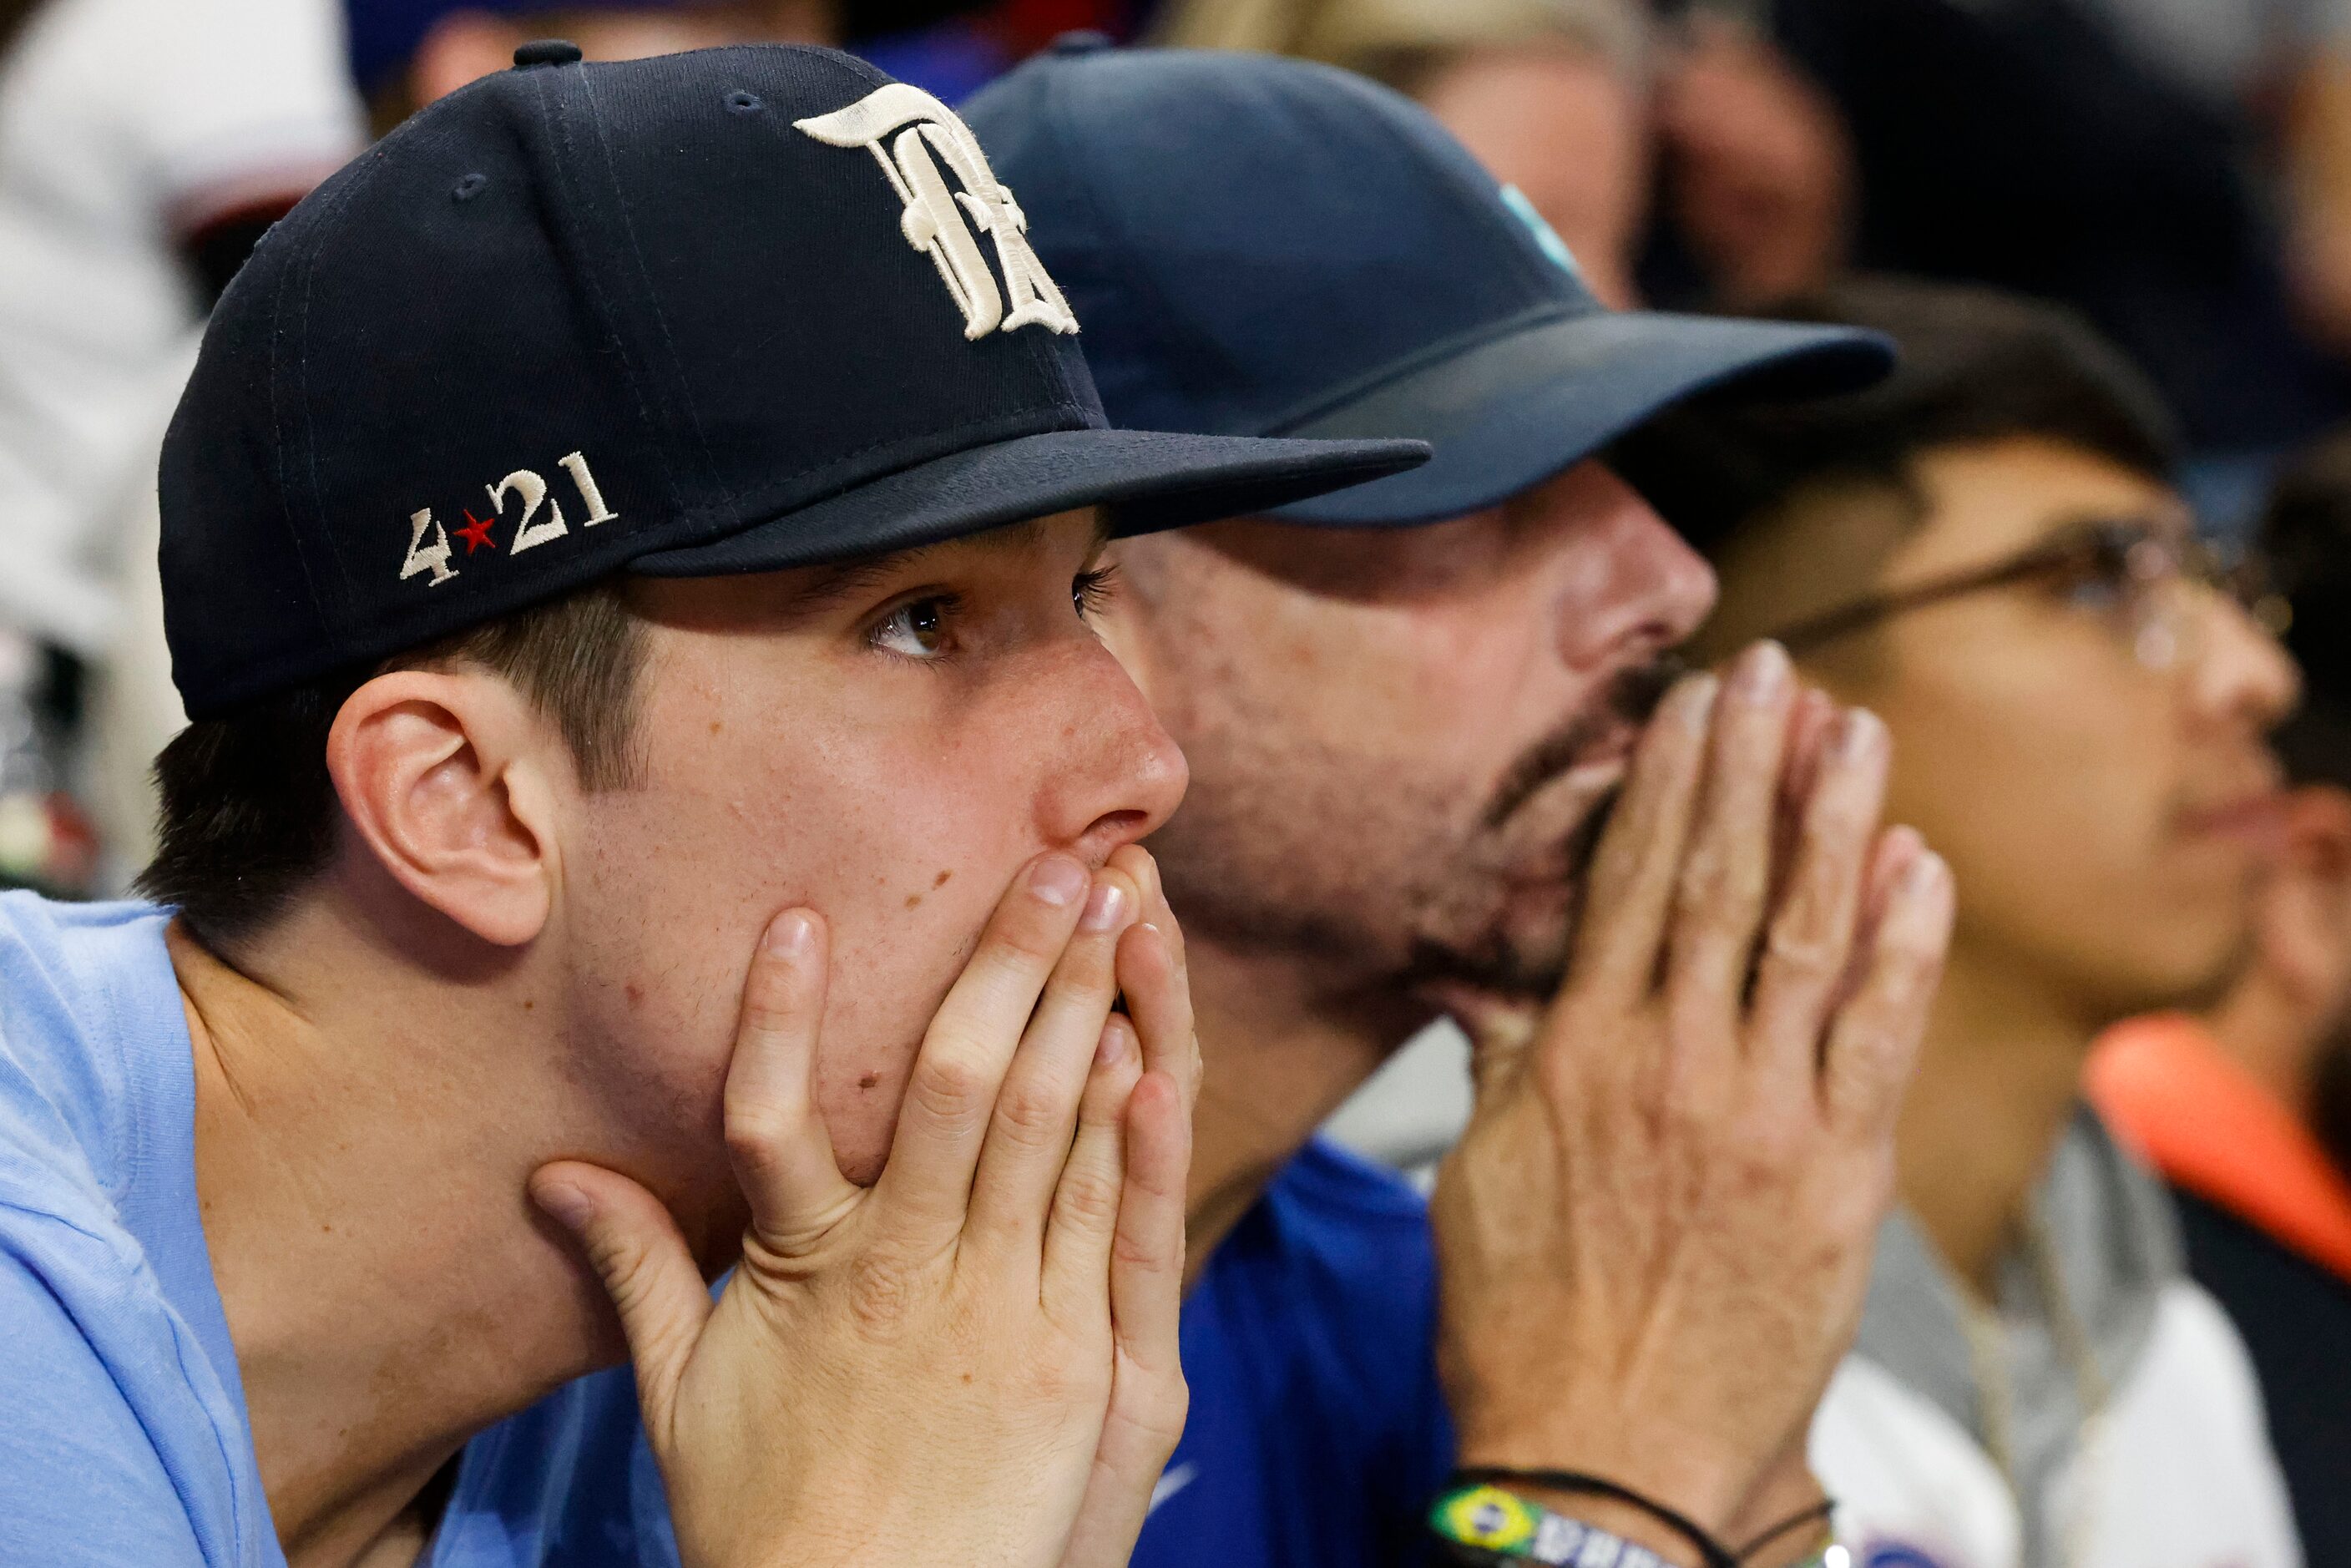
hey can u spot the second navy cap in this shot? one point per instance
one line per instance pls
(1264, 246)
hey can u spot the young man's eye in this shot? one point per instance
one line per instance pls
(1091, 590)
(917, 629)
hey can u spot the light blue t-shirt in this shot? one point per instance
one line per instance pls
(123, 1435)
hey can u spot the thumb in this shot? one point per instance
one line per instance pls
(1501, 1036)
(634, 1246)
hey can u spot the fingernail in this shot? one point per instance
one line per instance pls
(1861, 734)
(1058, 880)
(1117, 1035)
(791, 934)
(564, 1202)
(1763, 675)
(1104, 908)
(1697, 702)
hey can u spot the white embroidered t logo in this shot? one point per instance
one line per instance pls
(933, 222)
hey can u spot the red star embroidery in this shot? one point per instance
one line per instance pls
(476, 532)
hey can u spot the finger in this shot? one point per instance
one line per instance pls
(1036, 1114)
(1895, 849)
(1815, 928)
(1146, 1281)
(951, 1094)
(1086, 1201)
(1808, 734)
(1148, 1397)
(1138, 863)
(1631, 886)
(1872, 1041)
(1500, 1031)
(1719, 898)
(634, 1245)
(1151, 980)
(782, 1152)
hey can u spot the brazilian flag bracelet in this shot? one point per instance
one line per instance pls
(1481, 1525)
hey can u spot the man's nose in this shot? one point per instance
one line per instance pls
(1642, 591)
(1123, 775)
(2244, 677)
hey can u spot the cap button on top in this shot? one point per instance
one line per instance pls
(546, 52)
(1085, 41)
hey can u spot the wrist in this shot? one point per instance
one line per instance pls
(1500, 1519)
(1689, 1481)
(1621, 1520)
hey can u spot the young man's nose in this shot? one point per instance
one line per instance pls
(2244, 677)
(1123, 775)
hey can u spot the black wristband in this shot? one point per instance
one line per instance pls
(1818, 1514)
(1712, 1554)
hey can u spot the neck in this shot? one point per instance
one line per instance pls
(1998, 1078)
(2268, 1028)
(1281, 1051)
(387, 1288)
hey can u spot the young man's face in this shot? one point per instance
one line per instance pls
(2104, 813)
(889, 745)
(1400, 736)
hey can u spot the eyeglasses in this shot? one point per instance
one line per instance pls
(2141, 575)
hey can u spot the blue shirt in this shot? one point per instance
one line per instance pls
(1317, 1432)
(123, 1435)
(1317, 1435)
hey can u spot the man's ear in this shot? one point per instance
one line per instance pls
(460, 49)
(445, 775)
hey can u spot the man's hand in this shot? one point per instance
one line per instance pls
(1655, 1235)
(975, 1360)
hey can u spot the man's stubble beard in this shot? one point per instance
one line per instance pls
(1289, 846)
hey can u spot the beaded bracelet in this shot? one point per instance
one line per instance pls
(1712, 1554)
(1483, 1525)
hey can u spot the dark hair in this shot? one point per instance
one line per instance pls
(2307, 534)
(1976, 365)
(249, 816)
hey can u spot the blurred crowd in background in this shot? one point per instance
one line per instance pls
(2177, 172)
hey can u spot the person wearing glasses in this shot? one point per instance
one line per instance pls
(1988, 551)
(2245, 1108)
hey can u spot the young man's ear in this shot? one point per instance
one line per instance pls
(446, 777)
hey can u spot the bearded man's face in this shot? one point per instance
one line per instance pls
(1403, 740)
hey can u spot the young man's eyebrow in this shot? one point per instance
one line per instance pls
(849, 578)
(835, 583)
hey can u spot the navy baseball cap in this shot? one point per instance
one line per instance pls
(727, 311)
(1263, 247)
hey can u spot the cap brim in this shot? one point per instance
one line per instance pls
(1513, 411)
(1149, 479)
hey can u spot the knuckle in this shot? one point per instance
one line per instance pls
(1715, 882)
(949, 1085)
(1029, 1114)
(627, 1273)
(755, 1126)
(1133, 1252)
(1033, 940)
(1803, 947)
(880, 1294)
(1090, 1200)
